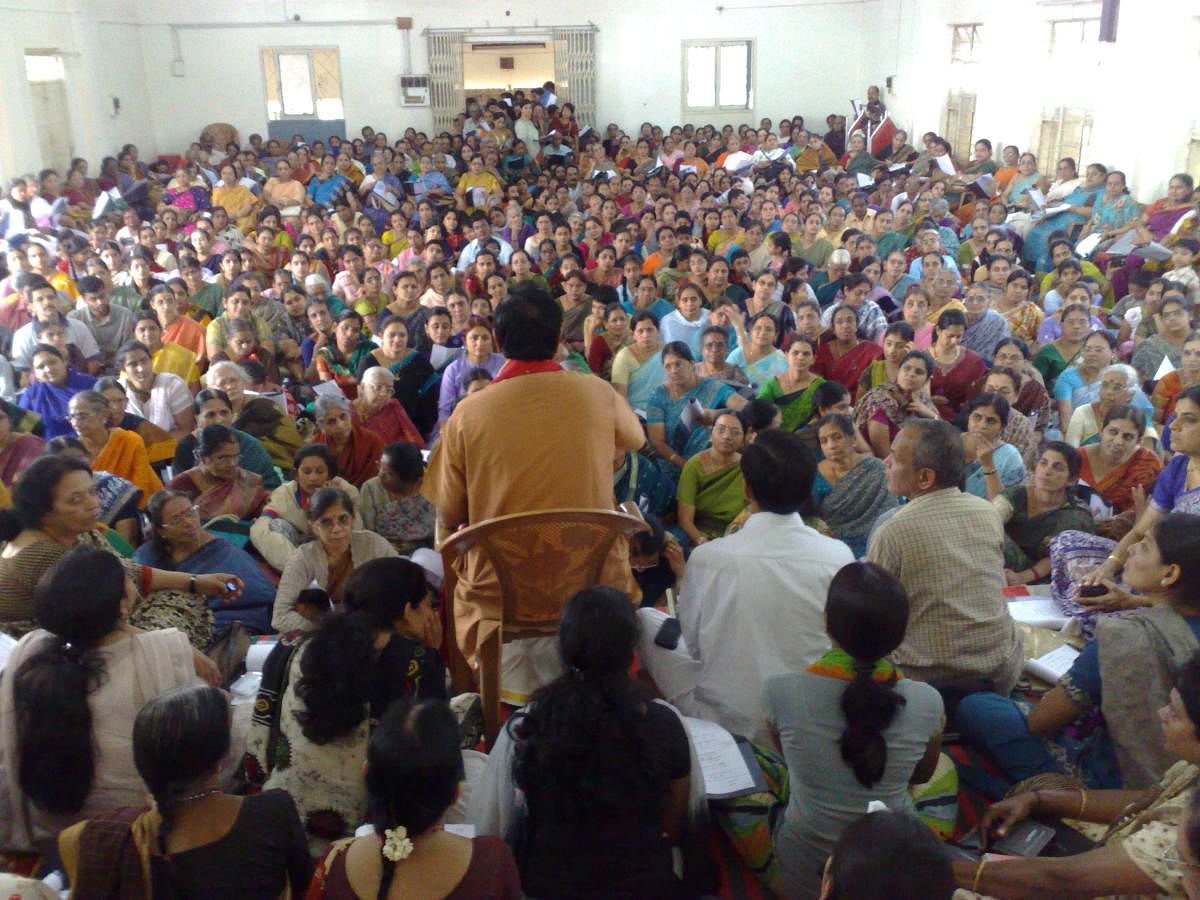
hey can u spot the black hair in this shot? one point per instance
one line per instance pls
(948, 319)
(1071, 455)
(1015, 342)
(414, 765)
(678, 349)
(1188, 680)
(213, 436)
(210, 394)
(889, 856)
(405, 459)
(476, 373)
(63, 444)
(830, 393)
(129, 347)
(939, 447)
(902, 329)
(757, 415)
(844, 423)
(335, 695)
(1178, 538)
(79, 603)
(321, 450)
(643, 316)
(326, 498)
(995, 401)
(866, 614)
(779, 470)
(649, 541)
(33, 493)
(580, 742)
(528, 323)
(1125, 411)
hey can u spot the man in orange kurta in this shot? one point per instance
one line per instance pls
(537, 438)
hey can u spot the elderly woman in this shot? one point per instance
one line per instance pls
(217, 485)
(355, 448)
(711, 489)
(392, 503)
(672, 439)
(56, 384)
(112, 450)
(881, 413)
(990, 461)
(1174, 331)
(850, 488)
(985, 327)
(179, 543)
(1117, 465)
(327, 562)
(1031, 399)
(415, 384)
(259, 417)
(1118, 384)
(377, 409)
(480, 347)
(283, 523)
(1079, 384)
(54, 509)
(17, 449)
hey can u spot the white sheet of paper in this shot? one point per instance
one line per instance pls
(945, 163)
(441, 356)
(256, 656)
(721, 762)
(275, 397)
(1088, 245)
(987, 184)
(1123, 245)
(479, 196)
(1053, 665)
(1037, 199)
(101, 204)
(897, 167)
(6, 645)
(1055, 210)
(864, 180)
(327, 389)
(1165, 368)
(692, 415)
(1039, 611)
(245, 689)
(1154, 251)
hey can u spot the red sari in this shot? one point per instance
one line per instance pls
(955, 383)
(1116, 487)
(392, 424)
(358, 460)
(848, 367)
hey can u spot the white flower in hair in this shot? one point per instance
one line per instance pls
(396, 845)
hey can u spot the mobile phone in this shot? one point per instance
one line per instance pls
(1093, 590)
(668, 634)
(231, 586)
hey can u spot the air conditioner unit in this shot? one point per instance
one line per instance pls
(414, 90)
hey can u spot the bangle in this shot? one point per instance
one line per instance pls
(192, 584)
(989, 471)
(978, 875)
(1037, 796)
(1115, 559)
(1082, 803)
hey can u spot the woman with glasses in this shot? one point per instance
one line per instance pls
(113, 450)
(217, 484)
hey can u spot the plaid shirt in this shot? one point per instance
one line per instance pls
(871, 320)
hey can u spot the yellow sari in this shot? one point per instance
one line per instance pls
(236, 197)
(125, 455)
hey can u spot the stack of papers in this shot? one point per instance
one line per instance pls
(1041, 612)
(1053, 665)
(722, 760)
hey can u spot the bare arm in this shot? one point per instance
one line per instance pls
(1099, 872)
(657, 433)
(1054, 712)
(880, 438)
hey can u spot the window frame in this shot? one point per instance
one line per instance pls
(307, 51)
(1058, 46)
(972, 43)
(716, 44)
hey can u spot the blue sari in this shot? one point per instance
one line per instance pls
(50, 402)
(666, 411)
(644, 380)
(1037, 242)
(329, 191)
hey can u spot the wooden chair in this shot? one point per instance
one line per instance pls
(540, 559)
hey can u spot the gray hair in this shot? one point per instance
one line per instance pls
(325, 404)
(939, 447)
(840, 257)
(92, 399)
(939, 207)
(378, 374)
(225, 365)
(1130, 373)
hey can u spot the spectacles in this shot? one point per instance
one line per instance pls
(76, 416)
(180, 518)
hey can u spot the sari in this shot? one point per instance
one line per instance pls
(119, 499)
(1160, 220)
(795, 406)
(125, 455)
(643, 378)
(848, 367)
(1036, 251)
(241, 497)
(236, 197)
(638, 480)
(16, 457)
(880, 404)
(24, 421)
(1024, 321)
(1019, 185)
(663, 410)
(1027, 538)
(328, 191)
(955, 382)
(190, 201)
(1113, 214)
(762, 370)
(985, 333)
(1116, 487)
(391, 423)
(261, 418)
(416, 388)
(890, 241)
(1166, 392)
(1049, 361)
(176, 359)
(851, 506)
(718, 496)
(358, 458)
(50, 402)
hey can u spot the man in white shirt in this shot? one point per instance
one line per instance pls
(44, 305)
(751, 605)
(482, 229)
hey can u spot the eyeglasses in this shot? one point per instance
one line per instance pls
(77, 416)
(180, 518)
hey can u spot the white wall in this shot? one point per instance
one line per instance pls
(531, 67)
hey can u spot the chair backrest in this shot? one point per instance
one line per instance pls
(542, 558)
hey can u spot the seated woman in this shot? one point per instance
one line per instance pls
(327, 562)
(339, 361)
(259, 417)
(896, 340)
(416, 384)
(1169, 341)
(119, 417)
(283, 524)
(120, 500)
(609, 834)
(1117, 465)
(714, 348)
(1079, 559)
(55, 509)
(179, 543)
(17, 449)
(1080, 383)
(1136, 855)
(217, 485)
(852, 729)
(112, 450)
(1171, 385)
(197, 840)
(1031, 399)
(377, 409)
(955, 367)
(711, 490)
(356, 449)
(413, 771)
(882, 412)
(213, 407)
(1053, 358)
(672, 440)
(50, 395)
(321, 709)
(392, 504)
(1118, 385)
(480, 346)
(793, 390)
(1154, 640)
(759, 357)
(887, 854)
(242, 345)
(607, 343)
(637, 369)
(73, 689)
(850, 489)
(846, 356)
(990, 461)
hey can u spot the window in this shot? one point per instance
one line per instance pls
(1066, 35)
(1193, 157)
(303, 83)
(1063, 132)
(958, 122)
(716, 75)
(964, 42)
(44, 67)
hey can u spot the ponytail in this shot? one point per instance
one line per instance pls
(869, 706)
(335, 694)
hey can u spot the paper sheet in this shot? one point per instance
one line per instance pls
(6, 645)
(464, 830)
(1039, 611)
(721, 762)
(327, 389)
(256, 656)
(1055, 210)
(987, 184)
(1053, 665)
(1154, 251)
(441, 356)
(1037, 199)
(1123, 245)
(692, 415)
(865, 180)
(1088, 245)
(1165, 368)
(945, 163)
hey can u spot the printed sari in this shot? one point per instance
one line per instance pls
(1036, 251)
(358, 458)
(241, 497)
(796, 407)
(668, 412)
(1116, 487)
(851, 506)
(645, 379)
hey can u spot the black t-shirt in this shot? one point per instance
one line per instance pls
(264, 851)
(622, 854)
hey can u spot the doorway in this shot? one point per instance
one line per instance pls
(48, 96)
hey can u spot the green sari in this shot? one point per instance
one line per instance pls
(796, 406)
(1027, 538)
(717, 496)
(1051, 364)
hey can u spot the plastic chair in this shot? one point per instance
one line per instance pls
(540, 559)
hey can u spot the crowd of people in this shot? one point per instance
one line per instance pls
(857, 388)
